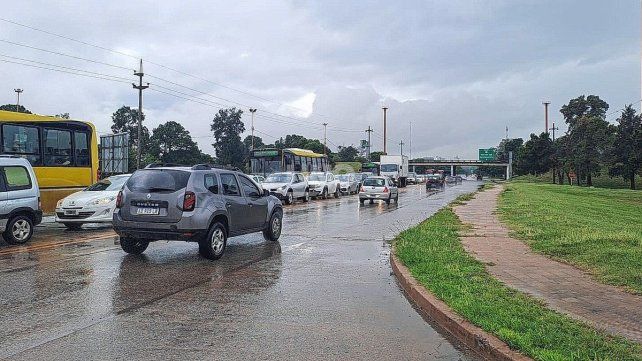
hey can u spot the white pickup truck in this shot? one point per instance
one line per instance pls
(395, 167)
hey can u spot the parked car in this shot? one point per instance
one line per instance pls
(258, 179)
(20, 208)
(450, 179)
(94, 204)
(378, 188)
(459, 179)
(412, 178)
(287, 186)
(349, 183)
(434, 181)
(201, 204)
(322, 184)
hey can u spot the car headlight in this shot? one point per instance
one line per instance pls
(59, 204)
(101, 201)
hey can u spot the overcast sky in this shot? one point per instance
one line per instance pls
(460, 71)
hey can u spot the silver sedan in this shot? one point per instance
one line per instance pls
(378, 188)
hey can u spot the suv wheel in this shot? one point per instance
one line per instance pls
(289, 198)
(73, 226)
(306, 196)
(213, 246)
(337, 192)
(133, 245)
(324, 195)
(273, 230)
(19, 230)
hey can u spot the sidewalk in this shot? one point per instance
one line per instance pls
(563, 287)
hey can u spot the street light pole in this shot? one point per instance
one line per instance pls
(252, 111)
(140, 87)
(385, 109)
(325, 139)
(369, 130)
(410, 152)
(546, 103)
(18, 91)
(401, 145)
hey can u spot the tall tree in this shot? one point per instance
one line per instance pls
(125, 120)
(172, 143)
(584, 106)
(347, 154)
(258, 142)
(535, 157)
(12, 108)
(376, 156)
(227, 127)
(625, 153)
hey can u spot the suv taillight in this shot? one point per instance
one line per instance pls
(385, 189)
(189, 201)
(119, 199)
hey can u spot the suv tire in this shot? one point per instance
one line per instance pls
(337, 192)
(324, 194)
(213, 246)
(133, 245)
(289, 197)
(306, 196)
(273, 230)
(73, 226)
(19, 230)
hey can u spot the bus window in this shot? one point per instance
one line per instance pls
(297, 163)
(81, 149)
(57, 147)
(289, 162)
(21, 141)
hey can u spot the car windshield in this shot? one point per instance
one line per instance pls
(108, 184)
(389, 167)
(278, 178)
(433, 177)
(344, 178)
(317, 177)
(158, 180)
(374, 182)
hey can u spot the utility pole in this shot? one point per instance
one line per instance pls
(18, 91)
(385, 109)
(140, 87)
(252, 111)
(369, 130)
(325, 139)
(546, 103)
(507, 132)
(554, 128)
(401, 145)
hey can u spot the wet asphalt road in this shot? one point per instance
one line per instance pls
(325, 291)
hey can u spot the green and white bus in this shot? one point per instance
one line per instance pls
(266, 161)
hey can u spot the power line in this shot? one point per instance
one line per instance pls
(65, 67)
(105, 77)
(66, 55)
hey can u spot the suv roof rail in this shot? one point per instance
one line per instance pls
(207, 166)
(158, 165)
(9, 156)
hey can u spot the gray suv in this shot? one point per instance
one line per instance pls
(204, 204)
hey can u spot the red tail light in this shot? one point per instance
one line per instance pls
(385, 189)
(119, 199)
(362, 189)
(189, 201)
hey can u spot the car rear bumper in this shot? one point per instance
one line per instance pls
(383, 196)
(155, 231)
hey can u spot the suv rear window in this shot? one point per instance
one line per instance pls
(158, 180)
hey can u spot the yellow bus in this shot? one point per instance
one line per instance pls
(266, 161)
(63, 152)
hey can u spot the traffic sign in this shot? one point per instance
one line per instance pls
(487, 155)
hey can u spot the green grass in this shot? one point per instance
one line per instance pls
(433, 253)
(600, 181)
(598, 230)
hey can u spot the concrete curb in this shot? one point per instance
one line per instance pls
(481, 342)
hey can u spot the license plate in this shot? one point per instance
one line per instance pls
(147, 211)
(71, 212)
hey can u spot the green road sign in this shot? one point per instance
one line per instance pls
(266, 153)
(487, 155)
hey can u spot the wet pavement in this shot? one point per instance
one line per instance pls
(325, 291)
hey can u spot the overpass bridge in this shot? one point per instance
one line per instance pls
(454, 163)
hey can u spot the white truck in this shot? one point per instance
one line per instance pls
(395, 167)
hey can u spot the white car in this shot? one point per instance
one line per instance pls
(322, 184)
(94, 204)
(287, 186)
(258, 179)
(349, 183)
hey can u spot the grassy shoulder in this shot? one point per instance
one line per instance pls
(599, 230)
(434, 255)
(599, 181)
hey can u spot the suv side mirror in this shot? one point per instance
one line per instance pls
(266, 193)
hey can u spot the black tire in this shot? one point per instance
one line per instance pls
(371, 201)
(361, 201)
(389, 199)
(324, 194)
(274, 227)
(213, 245)
(337, 192)
(133, 245)
(397, 198)
(289, 197)
(19, 230)
(73, 226)
(306, 196)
